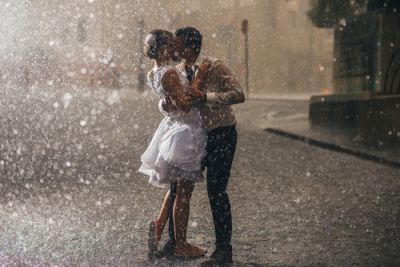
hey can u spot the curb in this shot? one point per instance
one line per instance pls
(280, 98)
(334, 147)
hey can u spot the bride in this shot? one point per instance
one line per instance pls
(178, 145)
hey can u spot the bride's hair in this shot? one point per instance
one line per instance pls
(155, 40)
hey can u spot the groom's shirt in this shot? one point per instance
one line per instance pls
(223, 90)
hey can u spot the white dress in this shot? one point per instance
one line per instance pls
(178, 145)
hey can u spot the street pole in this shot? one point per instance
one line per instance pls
(102, 25)
(141, 75)
(245, 30)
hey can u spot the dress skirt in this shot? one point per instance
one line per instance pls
(175, 152)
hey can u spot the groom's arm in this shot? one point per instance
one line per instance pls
(227, 89)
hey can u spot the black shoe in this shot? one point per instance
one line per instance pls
(167, 250)
(220, 257)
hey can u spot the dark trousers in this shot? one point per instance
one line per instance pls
(221, 146)
(172, 196)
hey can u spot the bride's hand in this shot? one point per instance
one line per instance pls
(205, 66)
(167, 105)
(201, 75)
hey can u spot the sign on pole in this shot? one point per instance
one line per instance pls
(245, 30)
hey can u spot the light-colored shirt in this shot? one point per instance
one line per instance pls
(223, 90)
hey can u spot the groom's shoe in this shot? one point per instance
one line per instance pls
(220, 257)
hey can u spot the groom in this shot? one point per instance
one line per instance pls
(221, 90)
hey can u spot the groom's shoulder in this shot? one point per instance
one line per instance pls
(215, 62)
(217, 66)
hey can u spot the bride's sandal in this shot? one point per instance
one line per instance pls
(188, 251)
(152, 240)
(155, 232)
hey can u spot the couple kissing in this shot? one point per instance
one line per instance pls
(197, 133)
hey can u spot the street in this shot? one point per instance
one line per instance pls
(70, 194)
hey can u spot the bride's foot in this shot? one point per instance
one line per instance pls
(155, 232)
(187, 251)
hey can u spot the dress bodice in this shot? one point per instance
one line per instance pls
(154, 78)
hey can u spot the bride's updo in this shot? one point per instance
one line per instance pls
(156, 40)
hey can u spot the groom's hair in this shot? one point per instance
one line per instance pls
(191, 37)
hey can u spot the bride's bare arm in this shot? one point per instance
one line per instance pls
(172, 85)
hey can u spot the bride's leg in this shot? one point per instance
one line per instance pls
(181, 218)
(163, 215)
(156, 227)
(182, 210)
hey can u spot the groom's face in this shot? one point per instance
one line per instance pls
(178, 49)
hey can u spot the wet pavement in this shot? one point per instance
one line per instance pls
(71, 196)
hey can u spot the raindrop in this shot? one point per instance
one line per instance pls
(67, 99)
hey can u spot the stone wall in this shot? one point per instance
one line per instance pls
(365, 46)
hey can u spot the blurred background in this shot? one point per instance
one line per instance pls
(99, 42)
